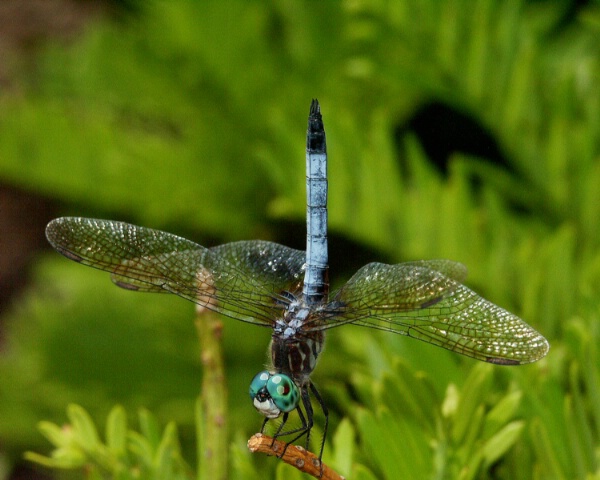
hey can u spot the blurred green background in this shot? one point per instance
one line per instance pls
(457, 129)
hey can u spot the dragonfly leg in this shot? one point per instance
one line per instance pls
(264, 424)
(305, 427)
(309, 414)
(278, 432)
(325, 411)
(306, 420)
(281, 425)
(307, 423)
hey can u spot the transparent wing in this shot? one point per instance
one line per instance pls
(455, 270)
(243, 280)
(421, 302)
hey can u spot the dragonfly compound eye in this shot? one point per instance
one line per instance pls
(258, 382)
(261, 397)
(284, 392)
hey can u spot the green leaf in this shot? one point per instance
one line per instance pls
(242, 461)
(149, 428)
(141, 447)
(501, 442)
(549, 467)
(344, 446)
(83, 427)
(397, 446)
(60, 461)
(360, 472)
(287, 472)
(116, 430)
(471, 467)
(468, 414)
(168, 461)
(59, 437)
(469, 442)
(407, 393)
(501, 413)
(579, 426)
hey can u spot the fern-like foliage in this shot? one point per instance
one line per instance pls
(190, 116)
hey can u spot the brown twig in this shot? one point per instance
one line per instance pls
(294, 455)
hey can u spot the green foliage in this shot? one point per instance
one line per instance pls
(461, 437)
(125, 455)
(190, 116)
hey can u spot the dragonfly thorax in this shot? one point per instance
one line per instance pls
(295, 347)
(293, 320)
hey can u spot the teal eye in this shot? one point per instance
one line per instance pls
(283, 391)
(258, 382)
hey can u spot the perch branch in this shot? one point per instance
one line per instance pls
(294, 455)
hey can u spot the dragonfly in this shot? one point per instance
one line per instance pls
(287, 290)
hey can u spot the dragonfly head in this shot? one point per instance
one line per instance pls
(274, 393)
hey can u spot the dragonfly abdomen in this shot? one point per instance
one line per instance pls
(316, 282)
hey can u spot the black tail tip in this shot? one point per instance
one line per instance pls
(315, 108)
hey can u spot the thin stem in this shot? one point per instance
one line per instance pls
(211, 407)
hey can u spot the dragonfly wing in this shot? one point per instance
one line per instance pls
(150, 260)
(136, 285)
(406, 286)
(455, 270)
(278, 267)
(414, 300)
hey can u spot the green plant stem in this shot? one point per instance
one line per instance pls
(211, 407)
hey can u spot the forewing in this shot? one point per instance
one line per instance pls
(455, 270)
(227, 279)
(414, 300)
(279, 268)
